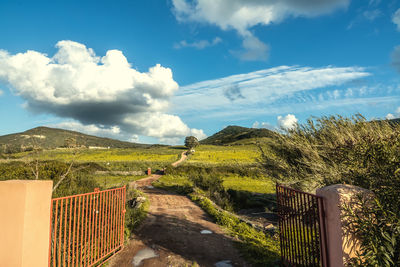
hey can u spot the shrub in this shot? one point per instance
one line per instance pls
(332, 150)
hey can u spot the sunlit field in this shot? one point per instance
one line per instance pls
(152, 154)
(208, 154)
(262, 186)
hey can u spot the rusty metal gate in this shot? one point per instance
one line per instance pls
(301, 227)
(87, 229)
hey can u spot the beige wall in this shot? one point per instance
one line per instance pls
(24, 222)
(342, 244)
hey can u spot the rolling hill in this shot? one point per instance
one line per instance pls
(50, 138)
(232, 134)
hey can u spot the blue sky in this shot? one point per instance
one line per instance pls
(159, 70)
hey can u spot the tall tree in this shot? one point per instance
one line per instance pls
(191, 142)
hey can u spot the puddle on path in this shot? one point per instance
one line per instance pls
(150, 186)
(205, 232)
(223, 264)
(143, 254)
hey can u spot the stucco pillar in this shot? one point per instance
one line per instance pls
(342, 243)
(24, 222)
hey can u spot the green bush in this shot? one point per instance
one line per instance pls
(79, 180)
(134, 215)
(331, 150)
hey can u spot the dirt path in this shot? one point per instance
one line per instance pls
(172, 230)
(182, 159)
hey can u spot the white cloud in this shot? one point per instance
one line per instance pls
(265, 125)
(396, 115)
(259, 89)
(289, 122)
(1, 92)
(396, 57)
(396, 19)
(90, 129)
(371, 15)
(198, 44)
(390, 116)
(253, 49)
(94, 90)
(242, 15)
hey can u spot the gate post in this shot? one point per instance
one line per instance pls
(342, 243)
(25, 222)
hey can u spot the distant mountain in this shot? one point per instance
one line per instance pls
(233, 134)
(50, 138)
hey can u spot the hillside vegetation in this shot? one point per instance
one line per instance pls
(233, 134)
(334, 150)
(51, 138)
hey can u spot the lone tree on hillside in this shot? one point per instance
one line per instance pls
(191, 142)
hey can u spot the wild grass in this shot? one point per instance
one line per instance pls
(234, 182)
(214, 155)
(240, 183)
(334, 150)
(153, 154)
(110, 181)
(259, 248)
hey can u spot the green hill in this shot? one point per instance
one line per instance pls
(233, 134)
(50, 138)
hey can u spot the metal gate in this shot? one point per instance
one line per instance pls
(87, 229)
(301, 227)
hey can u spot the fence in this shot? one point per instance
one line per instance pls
(87, 229)
(302, 228)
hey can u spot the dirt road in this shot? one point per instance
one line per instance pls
(182, 159)
(173, 232)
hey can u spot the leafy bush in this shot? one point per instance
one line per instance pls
(332, 150)
(134, 215)
(79, 180)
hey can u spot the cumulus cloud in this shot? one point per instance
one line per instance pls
(390, 116)
(76, 83)
(396, 19)
(396, 114)
(198, 44)
(289, 122)
(90, 129)
(242, 15)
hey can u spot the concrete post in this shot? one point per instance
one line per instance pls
(342, 243)
(24, 222)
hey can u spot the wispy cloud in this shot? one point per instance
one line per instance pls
(262, 89)
(396, 19)
(198, 44)
(368, 15)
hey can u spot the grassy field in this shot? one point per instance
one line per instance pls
(110, 181)
(154, 154)
(209, 154)
(262, 186)
(234, 182)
